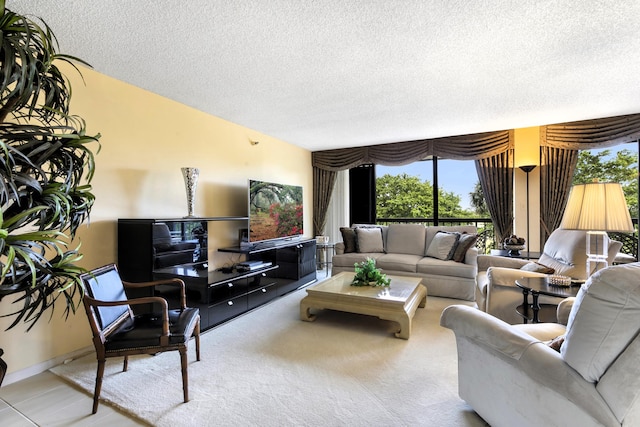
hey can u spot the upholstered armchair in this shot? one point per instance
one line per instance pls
(565, 252)
(510, 374)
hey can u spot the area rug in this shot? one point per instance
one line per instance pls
(269, 368)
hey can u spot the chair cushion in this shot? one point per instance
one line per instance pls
(566, 252)
(406, 239)
(145, 330)
(604, 319)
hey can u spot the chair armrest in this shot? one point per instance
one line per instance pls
(471, 256)
(564, 309)
(543, 367)
(500, 276)
(487, 329)
(486, 261)
(136, 301)
(174, 281)
(339, 248)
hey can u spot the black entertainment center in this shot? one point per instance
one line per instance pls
(152, 249)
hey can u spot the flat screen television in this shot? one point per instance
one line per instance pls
(275, 211)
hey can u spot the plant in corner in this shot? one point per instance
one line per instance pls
(46, 166)
(368, 275)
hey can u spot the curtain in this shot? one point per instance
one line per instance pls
(559, 147)
(338, 212)
(492, 151)
(323, 183)
(588, 134)
(496, 179)
(462, 147)
(556, 173)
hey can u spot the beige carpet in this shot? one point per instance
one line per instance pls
(268, 368)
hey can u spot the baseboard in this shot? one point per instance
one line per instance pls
(14, 377)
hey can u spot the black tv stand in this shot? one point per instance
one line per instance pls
(288, 265)
(295, 259)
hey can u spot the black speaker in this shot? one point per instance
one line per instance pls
(362, 194)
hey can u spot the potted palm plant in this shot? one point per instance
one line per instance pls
(46, 166)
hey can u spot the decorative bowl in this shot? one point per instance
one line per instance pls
(514, 249)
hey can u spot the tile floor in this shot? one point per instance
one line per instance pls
(46, 400)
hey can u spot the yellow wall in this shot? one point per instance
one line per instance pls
(527, 152)
(146, 139)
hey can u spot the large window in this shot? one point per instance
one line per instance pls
(409, 191)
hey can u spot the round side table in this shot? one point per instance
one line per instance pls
(534, 311)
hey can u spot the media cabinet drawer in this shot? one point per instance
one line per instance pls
(227, 290)
(225, 310)
(262, 295)
(260, 281)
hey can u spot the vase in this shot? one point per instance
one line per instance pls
(190, 183)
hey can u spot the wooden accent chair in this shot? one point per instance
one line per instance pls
(118, 332)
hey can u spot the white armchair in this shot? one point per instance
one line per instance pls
(496, 291)
(509, 376)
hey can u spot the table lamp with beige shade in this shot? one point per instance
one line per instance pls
(597, 207)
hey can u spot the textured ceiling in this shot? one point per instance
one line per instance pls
(341, 73)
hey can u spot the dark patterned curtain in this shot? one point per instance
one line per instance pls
(323, 182)
(559, 147)
(556, 173)
(496, 179)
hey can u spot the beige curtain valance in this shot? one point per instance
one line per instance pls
(463, 147)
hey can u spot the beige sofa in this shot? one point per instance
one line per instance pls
(417, 251)
(565, 252)
(511, 377)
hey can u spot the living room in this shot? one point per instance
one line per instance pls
(147, 138)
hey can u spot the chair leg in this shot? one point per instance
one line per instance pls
(96, 393)
(125, 364)
(185, 374)
(197, 336)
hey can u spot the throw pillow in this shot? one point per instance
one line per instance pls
(349, 239)
(465, 242)
(537, 267)
(369, 240)
(443, 245)
(556, 343)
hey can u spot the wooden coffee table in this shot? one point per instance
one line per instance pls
(397, 302)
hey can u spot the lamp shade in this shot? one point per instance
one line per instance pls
(597, 206)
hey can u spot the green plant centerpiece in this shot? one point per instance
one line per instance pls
(368, 275)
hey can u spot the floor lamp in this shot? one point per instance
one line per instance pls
(527, 169)
(597, 207)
